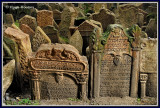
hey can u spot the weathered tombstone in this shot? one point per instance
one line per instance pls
(28, 20)
(151, 28)
(57, 71)
(9, 19)
(111, 67)
(67, 19)
(8, 73)
(52, 33)
(148, 65)
(55, 6)
(86, 28)
(128, 15)
(39, 38)
(26, 29)
(44, 18)
(57, 16)
(105, 17)
(77, 41)
(22, 48)
(99, 6)
(43, 6)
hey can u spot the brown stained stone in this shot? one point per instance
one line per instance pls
(99, 6)
(8, 73)
(64, 74)
(44, 18)
(9, 19)
(22, 50)
(77, 41)
(105, 17)
(26, 29)
(39, 38)
(28, 20)
(52, 33)
(67, 19)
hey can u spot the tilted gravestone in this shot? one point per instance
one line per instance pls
(39, 38)
(52, 33)
(57, 71)
(22, 50)
(148, 65)
(28, 20)
(44, 18)
(67, 20)
(77, 41)
(105, 17)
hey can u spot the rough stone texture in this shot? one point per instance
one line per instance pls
(14, 26)
(24, 49)
(105, 17)
(39, 38)
(28, 20)
(128, 15)
(8, 72)
(55, 6)
(77, 41)
(64, 73)
(43, 6)
(52, 33)
(67, 19)
(44, 18)
(55, 25)
(151, 28)
(9, 19)
(57, 14)
(148, 64)
(99, 6)
(26, 29)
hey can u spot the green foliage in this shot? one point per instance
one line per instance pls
(23, 102)
(72, 99)
(138, 99)
(66, 40)
(17, 23)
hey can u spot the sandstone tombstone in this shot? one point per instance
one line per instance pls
(8, 73)
(105, 17)
(44, 18)
(148, 64)
(99, 6)
(39, 38)
(23, 46)
(26, 29)
(28, 20)
(52, 33)
(77, 41)
(9, 19)
(67, 19)
(111, 67)
(58, 72)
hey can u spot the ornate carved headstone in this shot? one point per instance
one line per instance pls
(52, 33)
(28, 20)
(39, 38)
(148, 64)
(67, 19)
(105, 17)
(44, 18)
(77, 41)
(58, 72)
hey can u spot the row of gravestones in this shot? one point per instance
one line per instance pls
(62, 65)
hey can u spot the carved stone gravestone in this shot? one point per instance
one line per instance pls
(44, 18)
(28, 20)
(77, 41)
(57, 72)
(148, 65)
(39, 38)
(52, 33)
(111, 67)
(105, 17)
(67, 20)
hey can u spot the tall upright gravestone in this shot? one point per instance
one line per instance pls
(112, 72)
(57, 72)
